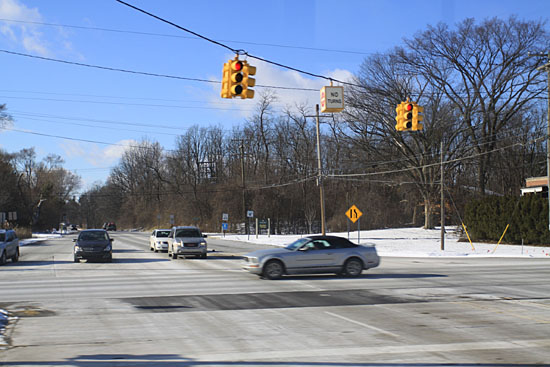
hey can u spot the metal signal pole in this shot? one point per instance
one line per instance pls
(320, 178)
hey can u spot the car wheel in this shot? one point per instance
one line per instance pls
(174, 256)
(274, 269)
(15, 257)
(76, 259)
(150, 248)
(204, 256)
(353, 267)
(3, 258)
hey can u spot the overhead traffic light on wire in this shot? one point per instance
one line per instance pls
(236, 81)
(408, 116)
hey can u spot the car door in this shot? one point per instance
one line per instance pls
(10, 244)
(312, 256)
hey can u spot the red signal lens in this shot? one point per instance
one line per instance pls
(238, 65)
(409, 107)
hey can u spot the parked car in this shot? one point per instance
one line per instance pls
(93, 244)
(313, 254)
(9, 246)
(187, 240)
(111, 226)
(159, 240)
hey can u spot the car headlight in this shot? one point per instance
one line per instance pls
(77, 248)
(253, 260)
(203, 243)
(108, 248)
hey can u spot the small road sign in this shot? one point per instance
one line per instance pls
(250, 214)
(354, 213)
(225, 217)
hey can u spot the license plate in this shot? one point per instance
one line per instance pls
(190, 245)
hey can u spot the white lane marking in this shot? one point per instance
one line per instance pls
(363, 324)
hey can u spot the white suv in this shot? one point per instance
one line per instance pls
(188, 240)
(9, 246)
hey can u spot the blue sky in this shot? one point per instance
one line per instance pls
(325, 37)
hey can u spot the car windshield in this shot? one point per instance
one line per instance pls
(2, 237)
(163, 233)
(93, 236)
(297, 244)
(188, 233)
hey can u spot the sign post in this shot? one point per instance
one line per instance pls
(249, 214)
(354, 214)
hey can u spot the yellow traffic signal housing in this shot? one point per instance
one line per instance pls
(248, 82)
(226, 81)
(417, 117)
(408, 108)
(399, 117)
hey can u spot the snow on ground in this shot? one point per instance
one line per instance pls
(412, 242)
(37, 237)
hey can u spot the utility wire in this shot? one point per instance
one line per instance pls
(186, 37)
(143, 72)
(238, 52)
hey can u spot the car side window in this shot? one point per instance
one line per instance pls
(322, 245)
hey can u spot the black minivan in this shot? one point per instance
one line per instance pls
(93, 244)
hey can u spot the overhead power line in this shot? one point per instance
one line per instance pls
(186, 37)
(144, 72)
(240, 52)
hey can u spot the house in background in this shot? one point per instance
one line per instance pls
(535, 185)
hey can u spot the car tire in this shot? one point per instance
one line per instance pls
(3, 258)
(274, 269)
(174, 256)
(353, 267)
(150, 248)
(76, 259)
(204, 256)
(15, 257)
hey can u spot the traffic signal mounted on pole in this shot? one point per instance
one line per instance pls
(236, 79)
(399, 117)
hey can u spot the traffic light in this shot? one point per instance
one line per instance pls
(407, 123)
(399, 117)
(236, 81)
(416, 118)
(232, 79)
(248, 82)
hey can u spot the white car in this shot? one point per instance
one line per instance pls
(159, 240)
(9, 246)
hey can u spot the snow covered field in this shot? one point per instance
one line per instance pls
(413, 242)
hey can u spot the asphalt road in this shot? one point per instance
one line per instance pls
(147, 310)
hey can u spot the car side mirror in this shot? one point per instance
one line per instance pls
(111, 239)
(303, 249)
(74, 239)
(205, 235)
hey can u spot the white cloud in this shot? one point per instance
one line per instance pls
(96, 155)
(271, 75)
(27, 34)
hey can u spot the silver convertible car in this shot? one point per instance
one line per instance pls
(314, 254)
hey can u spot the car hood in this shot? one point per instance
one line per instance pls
(190, 239)
(92, 243)
(267, 252)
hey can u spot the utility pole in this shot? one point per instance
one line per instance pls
(244, 187)
(320, 173)
(546, 67)
(442, 202)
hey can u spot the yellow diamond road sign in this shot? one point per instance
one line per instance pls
(354, 213)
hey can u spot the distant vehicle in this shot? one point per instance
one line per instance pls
(313, 254)
(111, 226)
(159, 240)
(188, 240)
(93, 244)
(9, 246)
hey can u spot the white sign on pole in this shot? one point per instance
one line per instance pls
(250, 214)
(332, 99)
(225, 217)
(172, 221)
